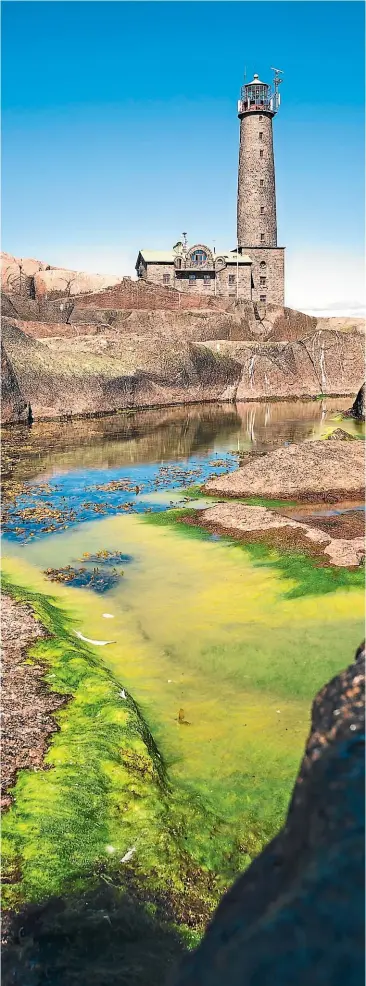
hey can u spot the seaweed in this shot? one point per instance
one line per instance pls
(99, 581)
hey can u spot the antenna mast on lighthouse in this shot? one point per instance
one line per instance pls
(276, 83)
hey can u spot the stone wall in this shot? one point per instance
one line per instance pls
(257, 225)
(274, 274)
(222, 283)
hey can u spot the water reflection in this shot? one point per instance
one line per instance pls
(162, 435)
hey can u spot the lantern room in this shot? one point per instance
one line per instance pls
(257, 97)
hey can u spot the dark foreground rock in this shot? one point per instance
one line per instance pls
(358, 407)
(297, 913)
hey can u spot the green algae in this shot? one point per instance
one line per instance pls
(308, 576)
(105, 791)
(197, 492)
(245, 667)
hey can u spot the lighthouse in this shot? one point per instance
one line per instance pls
(254, 270)
(256, 204)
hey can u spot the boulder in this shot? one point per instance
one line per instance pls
(59, 283)
(310, 471)
(340, 435)
(17, 274)
(358, 407)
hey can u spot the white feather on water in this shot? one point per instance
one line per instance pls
(97, 643)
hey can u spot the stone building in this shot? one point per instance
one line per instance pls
(254, 271)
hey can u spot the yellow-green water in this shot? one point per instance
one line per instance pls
(197, 625)
(240, 641)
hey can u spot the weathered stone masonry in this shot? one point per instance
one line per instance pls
(255, 270)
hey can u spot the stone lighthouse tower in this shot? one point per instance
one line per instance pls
(257, 221)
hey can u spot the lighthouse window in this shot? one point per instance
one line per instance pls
(231, 278)
(262, 282)
(262, 297)
(262, 237)
(262, 264)
(261, 182)
(260, 153)
(262, 210)
(260, 135)
(261, 118)
(166, 278)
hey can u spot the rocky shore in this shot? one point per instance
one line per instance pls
(76, 345)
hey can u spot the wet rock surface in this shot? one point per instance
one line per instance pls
(297, 913)
(255, 523)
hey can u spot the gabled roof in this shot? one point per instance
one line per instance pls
(158, 256)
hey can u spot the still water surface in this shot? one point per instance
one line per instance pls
(195, 625)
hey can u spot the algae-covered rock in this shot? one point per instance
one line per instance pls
(339, 435)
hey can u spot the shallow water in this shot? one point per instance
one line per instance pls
(220, 655)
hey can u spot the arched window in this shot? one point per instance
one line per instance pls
(198, 257)
(262, 263)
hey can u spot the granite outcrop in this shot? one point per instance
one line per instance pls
(87, 344)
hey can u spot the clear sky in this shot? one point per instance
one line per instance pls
(120, 131)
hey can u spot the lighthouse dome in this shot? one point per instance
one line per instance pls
(256, 81)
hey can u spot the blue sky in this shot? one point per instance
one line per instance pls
(120, 131)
